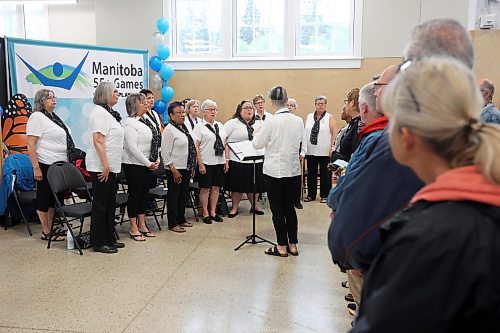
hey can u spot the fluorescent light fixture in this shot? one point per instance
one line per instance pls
(40, 2)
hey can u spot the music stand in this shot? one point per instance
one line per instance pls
(245, 152)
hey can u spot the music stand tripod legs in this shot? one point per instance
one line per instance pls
(253, 238)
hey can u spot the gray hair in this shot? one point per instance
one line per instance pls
(292, 100)
(40, 96)
(321, 98)
(208, 103)
(441, 37)
(367, 96)
(131, 103)
(103, 93)
(437, 98)
(488, 86)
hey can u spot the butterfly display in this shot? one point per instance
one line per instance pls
(14, 120)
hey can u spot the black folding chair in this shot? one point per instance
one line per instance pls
(63, 176)
(121, 199)
(23, 199)
(159, 193)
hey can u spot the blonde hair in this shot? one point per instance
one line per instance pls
(190, 103)
(437, 98)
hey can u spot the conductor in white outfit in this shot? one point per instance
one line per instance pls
(281, 136)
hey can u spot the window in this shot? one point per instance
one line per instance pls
(24, 21)
(325, 26)
(260, 27)
(199, 28)
(256, 34)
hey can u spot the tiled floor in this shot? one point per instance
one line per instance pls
(191, 282)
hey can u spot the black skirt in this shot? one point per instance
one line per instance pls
(240, 177)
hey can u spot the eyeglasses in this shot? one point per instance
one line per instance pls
(180, 112)
(53, 98)
(259, 103)
(247, 108)
(211, 109)
(402, 68)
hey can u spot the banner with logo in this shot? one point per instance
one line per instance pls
(73, 72)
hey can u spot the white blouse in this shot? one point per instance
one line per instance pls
(101, 121)
(137, 144)
(51, 146)
(195, 122)
(236, 132)
(206, 139)
(281, 136)
(174, 147)
(323, 148)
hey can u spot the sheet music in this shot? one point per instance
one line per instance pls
(245, 151)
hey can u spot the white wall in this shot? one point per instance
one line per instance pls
(387, 24)
(73, 23)
(127, 23)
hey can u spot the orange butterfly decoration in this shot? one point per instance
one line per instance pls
(14, 121)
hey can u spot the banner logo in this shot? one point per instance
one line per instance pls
(58, 75)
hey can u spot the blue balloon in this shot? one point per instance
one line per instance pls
(166, 71)
(165, 118)
(162, 25)
(167, 93)
(160, 106)
(1, 111)
(163, 51)
(155, 63)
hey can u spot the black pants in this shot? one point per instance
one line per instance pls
(176, 198)
(44, 197)
(102, 223)
(138, 180)
(281, 195)
(298, 189)
(325, 182)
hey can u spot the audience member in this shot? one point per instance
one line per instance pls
(490, 113)
(439, 252)
(349, 140)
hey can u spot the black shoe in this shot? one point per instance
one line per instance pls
(118, 245)
(207, 220)
(298, 205)
(351, 307)
(230, 215)
(105, 249)
(216, 218)
(257, 212)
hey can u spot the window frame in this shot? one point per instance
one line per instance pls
(289, 59)
(21, 21)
